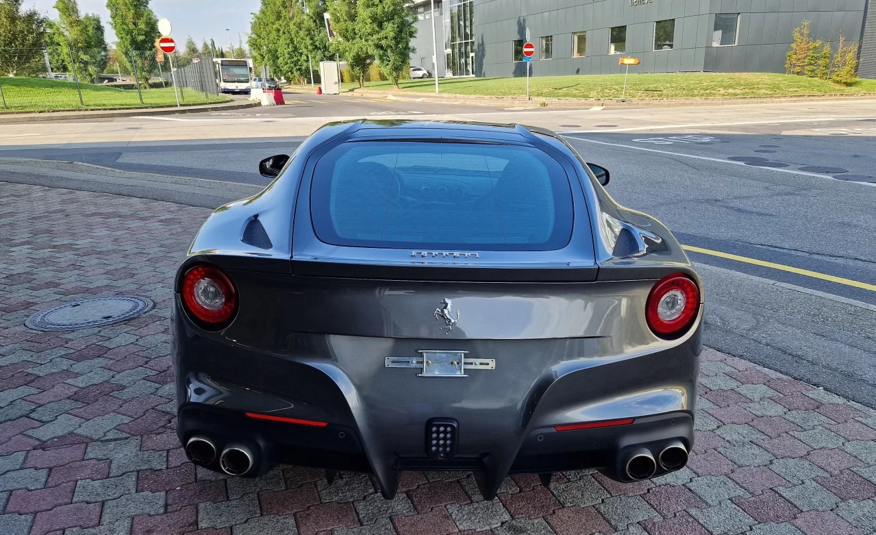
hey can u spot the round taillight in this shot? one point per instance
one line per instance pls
(209, 295)
(672, 306)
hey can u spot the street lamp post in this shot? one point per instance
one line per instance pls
(230, 42)
(434, 49)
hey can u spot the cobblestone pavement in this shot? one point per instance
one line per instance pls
(87, 443)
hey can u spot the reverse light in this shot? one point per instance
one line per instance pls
(672, 306)
(209, 296)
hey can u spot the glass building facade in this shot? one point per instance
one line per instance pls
(485, 37)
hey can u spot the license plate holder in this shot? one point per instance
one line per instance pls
(442, 363)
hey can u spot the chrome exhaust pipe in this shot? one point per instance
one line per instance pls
(674, 456)
(640, 464)
(236, 460)
(200, 450)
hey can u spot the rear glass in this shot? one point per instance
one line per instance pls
(445, 196)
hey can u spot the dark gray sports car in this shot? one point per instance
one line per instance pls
(436, 296)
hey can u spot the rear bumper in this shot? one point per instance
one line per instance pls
(339, 447)
(368, 429)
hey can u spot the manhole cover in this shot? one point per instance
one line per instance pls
(89, 313)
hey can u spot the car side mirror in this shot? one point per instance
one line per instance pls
(602, 174)
(270, 167)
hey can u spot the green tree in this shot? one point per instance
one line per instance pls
(55, 47)
(189, 51)
(307, 31)
(268, 32)
(205, 48)
(824, 62)
(116, 63)
(22, 37)
(800, 49)
(285, 34)
(390, 26)
(82, 38)
(137, 29)
(352, 42)
(845, 63)
(812, 59)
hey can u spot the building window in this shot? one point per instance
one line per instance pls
(579, 44)
(664, 34)
(618, 44)
(547, 47)
(726, 29)
(459, 35)
(518, 50)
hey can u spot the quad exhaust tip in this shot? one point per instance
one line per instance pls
(236, 460)
(674, 456)
(640, 464)
(200, 450)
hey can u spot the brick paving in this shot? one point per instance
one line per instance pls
(87, 442)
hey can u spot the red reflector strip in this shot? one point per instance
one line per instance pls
(593, 425)
(311, 423)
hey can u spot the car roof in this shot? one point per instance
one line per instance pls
(438, 131)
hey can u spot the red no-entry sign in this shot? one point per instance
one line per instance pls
(528, 50)
(166, 44)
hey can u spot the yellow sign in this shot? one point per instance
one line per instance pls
(629, 61)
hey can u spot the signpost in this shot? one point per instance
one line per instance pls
(168, 46)
(528, 51)
(627, 62)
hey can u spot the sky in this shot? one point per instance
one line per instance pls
(202, 19)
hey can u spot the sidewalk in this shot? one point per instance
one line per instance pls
(52, 116)
(87, 441)
(578, 103)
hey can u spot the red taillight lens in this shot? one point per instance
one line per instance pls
(311, 423)
(672, 306)
(594, 425)
(209, 296)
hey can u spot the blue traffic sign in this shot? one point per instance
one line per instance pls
(527, 58)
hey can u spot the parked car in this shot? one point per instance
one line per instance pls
(270, 83)
(436, 296)
(419, 72)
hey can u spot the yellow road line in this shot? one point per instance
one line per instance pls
(782, 267)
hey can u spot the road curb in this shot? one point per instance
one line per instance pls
(558, 102)
(50, 116)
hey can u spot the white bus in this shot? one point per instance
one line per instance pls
(233, 75)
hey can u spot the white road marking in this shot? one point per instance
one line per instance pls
(708, 159)
(21, 135)
(671, 140)
(848, 131)
(743, 123)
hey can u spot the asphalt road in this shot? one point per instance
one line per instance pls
(788, 195)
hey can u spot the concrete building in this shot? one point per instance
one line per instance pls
(485, 37)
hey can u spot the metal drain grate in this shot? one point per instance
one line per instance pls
(89, 313)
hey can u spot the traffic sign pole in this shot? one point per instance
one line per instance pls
(527, 80)
(173, 77)
(528, 51)
(627, 75)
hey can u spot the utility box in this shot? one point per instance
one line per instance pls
(330, 75)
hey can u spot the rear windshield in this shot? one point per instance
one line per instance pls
(445, 196)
